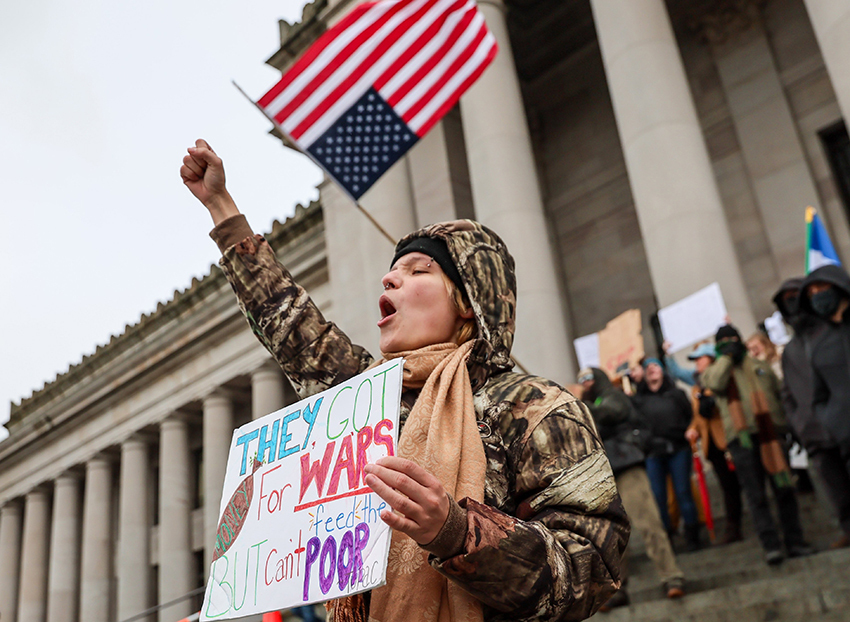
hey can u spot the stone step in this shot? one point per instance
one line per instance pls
(743, 555)
(807, 594)
(739, 571)
(732, 583)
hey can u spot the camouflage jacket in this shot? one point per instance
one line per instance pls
(548, 542)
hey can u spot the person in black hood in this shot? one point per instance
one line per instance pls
(797, 394)
(668, 412)
(826, 294)
(624, 436)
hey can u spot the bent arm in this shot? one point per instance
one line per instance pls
(314, 353)
(559, 557)
(688, 376)
(716, 377)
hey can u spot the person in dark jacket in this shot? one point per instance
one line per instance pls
(624, 436)
(667, 411)
(825, 294)
(747, 393)
(797, 395)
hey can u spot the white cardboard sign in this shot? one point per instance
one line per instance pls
(587, 350)
(693, 318)
(297, 525)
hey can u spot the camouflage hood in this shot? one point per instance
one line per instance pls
(487, 270)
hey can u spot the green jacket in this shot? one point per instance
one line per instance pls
(547, 543)
(751, 372)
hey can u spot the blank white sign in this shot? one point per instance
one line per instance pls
(693, 318)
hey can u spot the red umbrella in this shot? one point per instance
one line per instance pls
(703, 493)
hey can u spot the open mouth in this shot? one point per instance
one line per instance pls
(387, 308)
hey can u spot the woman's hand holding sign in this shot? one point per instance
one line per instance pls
(419, 501)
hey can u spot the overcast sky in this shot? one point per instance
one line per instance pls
(98, 102)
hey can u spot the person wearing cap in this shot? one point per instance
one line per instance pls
(706, 434)
(503, 505)
(625, 436)
(747, 393)
(668, 413)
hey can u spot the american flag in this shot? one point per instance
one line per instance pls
(376, 82)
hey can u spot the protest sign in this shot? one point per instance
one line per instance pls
(693, 318)
(587, 350)
(621, 343)
(298, 526)
(776, 330)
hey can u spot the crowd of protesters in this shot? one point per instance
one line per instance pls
(749, 401)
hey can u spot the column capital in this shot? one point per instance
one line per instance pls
(74, 475)
(182, 417)
(101, 460)
(220, 394)
(140, 437)
(724, 19)
(44, 489)
(267, 367)
(12, 505)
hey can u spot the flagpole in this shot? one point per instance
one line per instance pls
(291, 143)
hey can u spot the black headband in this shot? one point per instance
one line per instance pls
(438, 251)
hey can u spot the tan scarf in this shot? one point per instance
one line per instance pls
(441, 436)
(772, 454)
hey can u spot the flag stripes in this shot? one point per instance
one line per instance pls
(419, 55)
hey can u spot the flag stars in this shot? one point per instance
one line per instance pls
(356, 150)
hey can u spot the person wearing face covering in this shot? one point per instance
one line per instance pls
(747, 393)
(797, 398)
(503, 501)
(826, 294)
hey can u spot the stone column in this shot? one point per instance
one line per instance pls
(96, 565)
(63, 591)
(769, 138)
(176, 563)
(33, 596)
(134, 517)
(439, 173)
(684, 229)
(507, 197)
(831, 22)
(358, 254)
(218, 431)
(10, 559)
(267, 387)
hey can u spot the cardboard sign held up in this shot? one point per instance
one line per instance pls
(621, 343)
(298, 525)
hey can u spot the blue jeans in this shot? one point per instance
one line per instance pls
(678, 466)
(306, 613)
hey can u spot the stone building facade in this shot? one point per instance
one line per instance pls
(630, 152)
